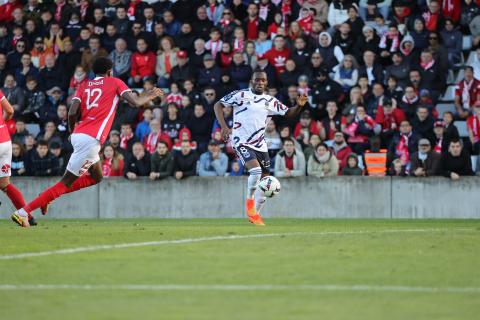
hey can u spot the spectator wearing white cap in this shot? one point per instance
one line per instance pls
(425, 162)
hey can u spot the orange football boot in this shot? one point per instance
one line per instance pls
(252, 214)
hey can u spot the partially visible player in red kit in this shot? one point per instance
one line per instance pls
(96, 102)
(6, 113)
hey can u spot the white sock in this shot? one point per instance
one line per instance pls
(260, 200)
(253, 178)
(22, 213)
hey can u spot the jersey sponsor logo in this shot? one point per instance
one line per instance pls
(6, 168)
(95, 83)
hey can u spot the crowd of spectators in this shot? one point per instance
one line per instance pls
(373, 70)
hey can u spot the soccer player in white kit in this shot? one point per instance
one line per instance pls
(95, 104)
(252, 110)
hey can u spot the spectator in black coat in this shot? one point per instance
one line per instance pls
(202, 24)
(69, 59)
(369, 42)
(433, 76)
(43, 162)
(14, 57)
(200, 124)
(139, 164)
(456, 162)
(423, 123)
(185, 39)
(301, 54)
(52, 75)
(210, 74)
(34, 99)
(239, 71)
(183, 70)
(266, 67)
(371, 70)
(290, 76)
(325, 89)
(185, 162)
(3, 68)
(226, 85)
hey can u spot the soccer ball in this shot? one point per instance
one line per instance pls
(270, 186)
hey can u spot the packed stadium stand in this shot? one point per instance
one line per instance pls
(393, 86)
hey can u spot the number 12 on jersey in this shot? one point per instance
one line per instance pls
(93, 94)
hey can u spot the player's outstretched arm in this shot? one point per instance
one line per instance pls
(225, 130)
(7, 110)
(294, 111)
(135, 101)
(73, 114)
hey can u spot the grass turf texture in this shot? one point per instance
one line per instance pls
(447, 258)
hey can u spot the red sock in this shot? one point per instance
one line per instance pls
(46, 196)
(84, 181)
(16, 197)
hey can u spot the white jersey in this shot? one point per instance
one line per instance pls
(251, 114)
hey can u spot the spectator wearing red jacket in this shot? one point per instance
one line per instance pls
(473, 126)
(6, 10)
(467, 93)
(305, 128)
(340, 149)
(143, 64)
(359, 130)
(150, 141)
(278, 55)
(184, 135)
(389, 118)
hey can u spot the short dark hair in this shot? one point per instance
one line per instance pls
(42, 143)
(469, 68)
(102, 65)
(288, 139)
(258, 71)
(321, 144)
(126, 124)
(455, 140)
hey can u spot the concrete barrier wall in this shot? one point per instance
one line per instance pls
(338, 197)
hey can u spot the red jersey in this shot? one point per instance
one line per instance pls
(473, 123)
(4, 135)
(98, 102)
(278, 58)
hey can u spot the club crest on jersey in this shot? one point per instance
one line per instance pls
(6, 168)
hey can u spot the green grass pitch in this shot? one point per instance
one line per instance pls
(227, 269)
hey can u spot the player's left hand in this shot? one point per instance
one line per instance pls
(302, 100)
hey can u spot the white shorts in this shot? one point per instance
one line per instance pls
(5, 159)
(85, 153)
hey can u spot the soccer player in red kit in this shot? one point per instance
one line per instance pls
(96, 102)
(6, 113)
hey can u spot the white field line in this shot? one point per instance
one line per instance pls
(205, 239)
(234, 287)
